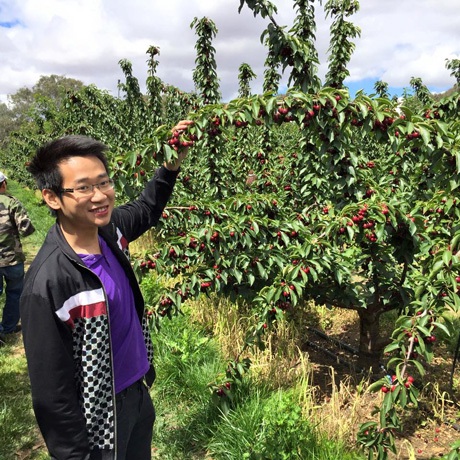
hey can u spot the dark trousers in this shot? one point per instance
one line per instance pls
(14, 280)
(135, 418)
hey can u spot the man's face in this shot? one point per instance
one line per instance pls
(80, 213)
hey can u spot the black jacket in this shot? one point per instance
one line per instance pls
(64, 316)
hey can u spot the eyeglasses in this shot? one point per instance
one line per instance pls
(86, 190)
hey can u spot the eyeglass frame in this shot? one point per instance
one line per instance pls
(111, 183)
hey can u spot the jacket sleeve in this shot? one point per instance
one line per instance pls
(21, 219)
(138, 216)
(48, 347)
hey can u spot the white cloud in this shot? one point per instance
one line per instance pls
(85, 39)
(407, 39)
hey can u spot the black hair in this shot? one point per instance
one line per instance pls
(44, 166)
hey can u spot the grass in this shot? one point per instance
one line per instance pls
(270, 425)
(264, 424)
(38, 213)
(19, 436)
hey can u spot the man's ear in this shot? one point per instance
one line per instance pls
(51, 199)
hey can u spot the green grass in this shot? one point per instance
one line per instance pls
(186, 361)
(263, 425)
(18, 430)
(270, 426)
(38, 213)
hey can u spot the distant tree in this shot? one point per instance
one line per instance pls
(263, 7)
(454, 66)
(7, 124)
(154, 86)
(24, 106)
(205, 74)
(381, 88)
(134, 105)
(421, 91)
(438, 96)
(341, 48)
(305, 57)
(294, 49)
(52, 87)
(245, 75)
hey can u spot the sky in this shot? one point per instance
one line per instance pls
(85, 40)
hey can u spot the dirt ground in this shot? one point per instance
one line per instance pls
(430, 429)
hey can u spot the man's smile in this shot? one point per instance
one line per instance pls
(100, 210)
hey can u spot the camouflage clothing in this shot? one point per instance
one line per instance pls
(14, 222)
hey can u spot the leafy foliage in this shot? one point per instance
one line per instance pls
(341, 49)
(205, 75)
(245, 76)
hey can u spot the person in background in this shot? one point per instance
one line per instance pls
(86, 339)
(14, 224)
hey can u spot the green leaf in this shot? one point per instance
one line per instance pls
(376, 386)
(447, 257)
(443, 328)
(386, 406)
(338, 276)
(423, 330)
(392, 346)
(419, 366)
(436, 268)
(413, 395)
(439, 141)
(238, 276)
(403, 396)
(285, 238)
(425, 135)
(131, 159)
(262, 272)
(351, 232)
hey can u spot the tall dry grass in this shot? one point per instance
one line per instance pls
(284, 365)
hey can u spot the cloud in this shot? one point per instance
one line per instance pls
(407, 39)
(85, 39)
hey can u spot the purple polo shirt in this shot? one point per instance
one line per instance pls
(130, 362)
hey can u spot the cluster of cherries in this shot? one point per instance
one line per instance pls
(393, 381)
(179, 140)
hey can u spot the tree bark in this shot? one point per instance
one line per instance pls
(370, 342)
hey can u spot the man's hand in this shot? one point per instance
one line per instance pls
(182, 151)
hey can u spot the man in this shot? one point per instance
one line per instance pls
(87, 343)
(14, 223)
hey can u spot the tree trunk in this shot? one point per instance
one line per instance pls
(370, 343)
